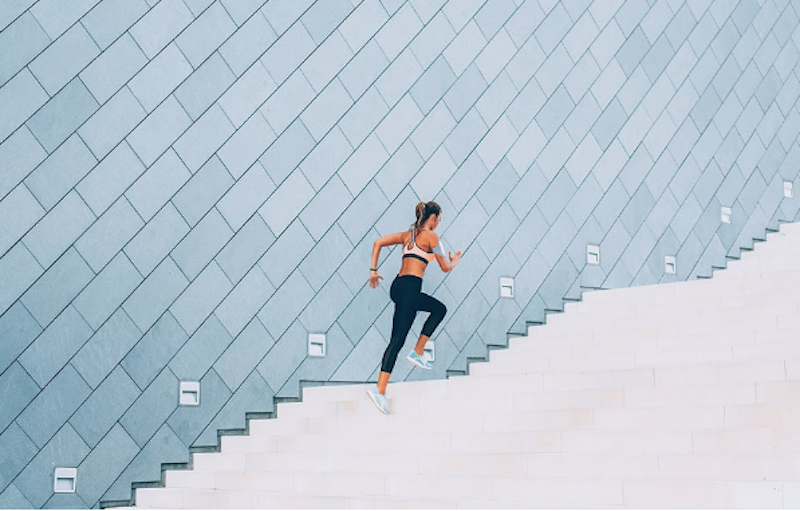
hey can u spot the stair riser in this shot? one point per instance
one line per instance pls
(747, 316)
(721, 308)
(746, 283)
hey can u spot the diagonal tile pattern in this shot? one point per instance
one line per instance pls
(188, 187)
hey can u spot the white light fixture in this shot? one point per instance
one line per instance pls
(316, 345)
(65, 480)
(592, 254)
(189, 393)
(430, 348)
(788, 189)
(726, 214)
(506, 287)
(670, 266)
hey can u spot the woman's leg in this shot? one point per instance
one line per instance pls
(403, 294)
(437, 311)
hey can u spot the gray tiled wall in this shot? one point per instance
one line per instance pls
(189, 187)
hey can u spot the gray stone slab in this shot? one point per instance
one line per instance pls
(110, 178)
(364, 69)
(287, 151)
(20, 211)
(157, 185)
(149, 247)
(153, 136)
(362, 212)
(287, 354)
(164, 447)
(60, 172)
(326, 61)
(101, 242)
(160, 26)
(105, 463)
(152, 352)
(253, 396)
(111, 18)
(152, 408)
(160, 77)
(201, 244)
(295, 239)
(248, 43)
(326, 207)
(362, 165)
(285, 304)
(17, 389)
(324, 111)
(242, 150)
(109, 125)
(247, 94)
(244, 353)
(48, 354)
(201, 297)
(62, 115)
(497, 54)
(324, 258)
(282, 14)
(18, 270)
(363, 117)
(20, 42)
(465, 136)
(57, 287)
(53, 406)
(321, 19)
(206, 135)
(202, 191)
(105, 406)
(189, 421)
(98, 357)
(114, 67)
(154, 296)
(22, 96)
(432, 85)
(200, 352)
(12, 498)
(64, 59)
(17, 330)
(206, 33)
(204, 86)
(466, 91)
(17, 450)
(398, 77)
(245, 249)
(286, 54)
(20, 153)
(364, 359)
(279, 210)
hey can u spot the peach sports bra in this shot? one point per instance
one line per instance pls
(415, 251)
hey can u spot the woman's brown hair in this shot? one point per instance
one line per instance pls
(425, 210)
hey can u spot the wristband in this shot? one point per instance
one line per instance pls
(373, 269)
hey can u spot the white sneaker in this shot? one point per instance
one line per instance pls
(379, 399)
(419, 361)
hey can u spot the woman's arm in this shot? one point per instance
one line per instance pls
(390, 239)
(444, 264)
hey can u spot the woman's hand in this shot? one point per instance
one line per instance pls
(373, 279)
(454, 259)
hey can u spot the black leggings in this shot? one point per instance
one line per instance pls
(408, 299)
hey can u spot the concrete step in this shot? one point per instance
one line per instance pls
(661, 352)
(753, 292)
(783, 295)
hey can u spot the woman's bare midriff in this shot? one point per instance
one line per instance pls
(412, 266)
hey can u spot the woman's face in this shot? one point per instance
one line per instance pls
(436, 220)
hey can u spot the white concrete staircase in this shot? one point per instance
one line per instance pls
(672, 395)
